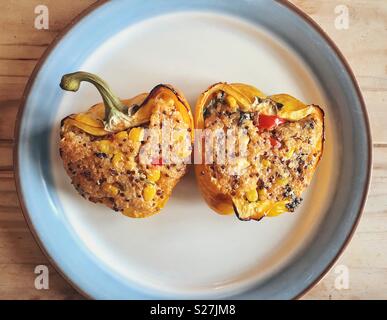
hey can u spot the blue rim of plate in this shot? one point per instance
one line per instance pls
(32, 208)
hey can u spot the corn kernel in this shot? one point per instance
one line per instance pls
(262, 194)
(265, 163)
(149, 192)
(118, 160)
(112, 190)
(122, 135)
(136, 134)
(153, 175)
(184, 153)
(180, 136)
(290, 152)
(105, 146)
(252, 195)
(282, 181)
(130, 165)
(231, 102)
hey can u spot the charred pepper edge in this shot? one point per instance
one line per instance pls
(244, 219)
(179, 97)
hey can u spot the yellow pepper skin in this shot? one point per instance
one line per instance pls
(248, 206)
(94, 121)
(104, 166)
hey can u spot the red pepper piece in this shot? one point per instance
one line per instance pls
(275, 143)
(269, 122)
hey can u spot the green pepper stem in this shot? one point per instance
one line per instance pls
(115, 110)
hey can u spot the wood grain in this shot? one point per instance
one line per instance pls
(363, 44)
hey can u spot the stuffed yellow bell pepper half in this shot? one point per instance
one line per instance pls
(267, 155)
(114, 152)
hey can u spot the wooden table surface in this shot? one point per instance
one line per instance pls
(364, 44)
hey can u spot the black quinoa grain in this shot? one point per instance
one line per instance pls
(288, 192)
(101, 155)
(294, 204)
(261, 184)
(101, 181)
(113, 172)
(244, 116)
(86, 174)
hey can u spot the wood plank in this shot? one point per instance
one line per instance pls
(16, 68)
(19, 284)
(18, 16)
(24, 52)
(21, 45)
(19, 253)
(8, 109)
(12, 87)
(372, 286)
(6, 159)
(362, 46)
